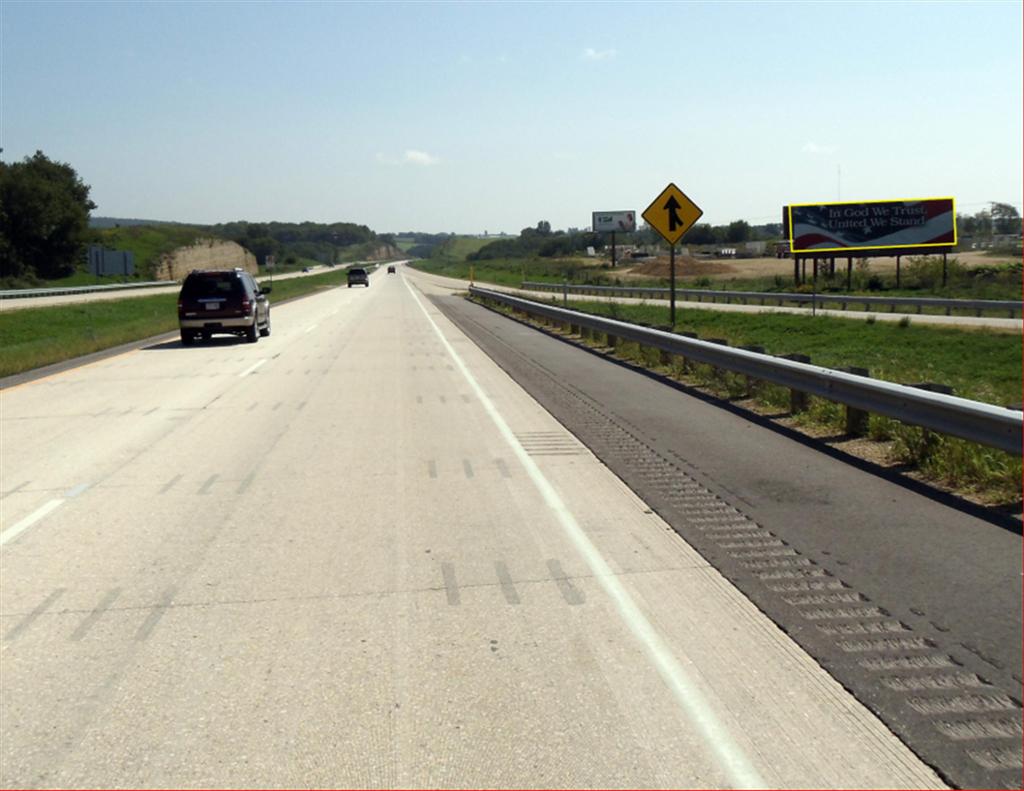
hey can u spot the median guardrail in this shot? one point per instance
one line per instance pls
(22, 293)
(782, 298)
(994, 426)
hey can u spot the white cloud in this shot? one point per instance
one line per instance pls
(413, 157)
(599, 54)
(409, 157)
(815, 148)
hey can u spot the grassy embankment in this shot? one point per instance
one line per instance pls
(979, 364)
(33, 337)
(149, 242)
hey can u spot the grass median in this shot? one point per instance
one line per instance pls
(34, 337)
(983, 365)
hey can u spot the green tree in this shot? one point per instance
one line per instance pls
(701, 233)
(44, 217)
(1005, 218)
(738, 231)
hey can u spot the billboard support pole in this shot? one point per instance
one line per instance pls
(897, 271)
(796, 269)
(849, 271)
(672, 277)
(944, 270)
(613, 249)
(814, 290)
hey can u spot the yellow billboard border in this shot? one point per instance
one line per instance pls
(925, 245)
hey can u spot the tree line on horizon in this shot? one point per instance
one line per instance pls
(45, 212)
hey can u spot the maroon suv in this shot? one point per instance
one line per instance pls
(220, 301)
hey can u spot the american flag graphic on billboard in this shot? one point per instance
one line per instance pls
(872, 225)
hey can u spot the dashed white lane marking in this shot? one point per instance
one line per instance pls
(18, 528)
(310, 329)
(732, 759)
(251, 368)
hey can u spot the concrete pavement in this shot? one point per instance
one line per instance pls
(356, 553)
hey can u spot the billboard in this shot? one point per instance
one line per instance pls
(871, 225)
(603, 221)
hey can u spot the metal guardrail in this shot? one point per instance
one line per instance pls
(21, 293)
(780, 298)
(990, 425)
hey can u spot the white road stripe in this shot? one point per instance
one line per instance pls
(310, 329)
(733, 761)
(251, 368)
(17, 529)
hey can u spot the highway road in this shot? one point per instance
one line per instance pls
(359, 554)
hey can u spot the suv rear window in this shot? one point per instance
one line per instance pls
(212, 284)
(357, 272)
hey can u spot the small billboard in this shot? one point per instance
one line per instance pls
(871, 225)
(612, 221)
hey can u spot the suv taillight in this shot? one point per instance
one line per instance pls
(246, 307)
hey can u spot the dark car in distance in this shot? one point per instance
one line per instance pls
(358, 277)
(391, 269)
(222, 302)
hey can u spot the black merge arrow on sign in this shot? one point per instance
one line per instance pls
(674, 220)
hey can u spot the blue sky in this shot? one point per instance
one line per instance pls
(468, 117)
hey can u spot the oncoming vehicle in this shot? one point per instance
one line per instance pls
(358, 277)
(223, 302)
(391, 269)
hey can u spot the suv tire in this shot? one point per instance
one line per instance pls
(187, 338)
(251, 333)
(266, 330)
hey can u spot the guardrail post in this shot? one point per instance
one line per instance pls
(856, 419)
(797, 399)
(718, 373)
(750, 381)
(927, 435)
(611, 341)
(684, 362)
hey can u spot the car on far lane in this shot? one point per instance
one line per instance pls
(391, 269)
(358, 277)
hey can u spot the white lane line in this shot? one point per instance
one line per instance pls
(310, 329)
(251, 368)
(17, 529)
(732, 759)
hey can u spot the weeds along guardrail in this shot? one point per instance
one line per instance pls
(782, 298)
(993, 426)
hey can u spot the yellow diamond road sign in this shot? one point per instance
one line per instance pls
(672, 214)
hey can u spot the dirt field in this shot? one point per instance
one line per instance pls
(687, 266)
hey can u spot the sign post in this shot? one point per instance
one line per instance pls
(672, 214)
(672, 278)
(270, 262)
